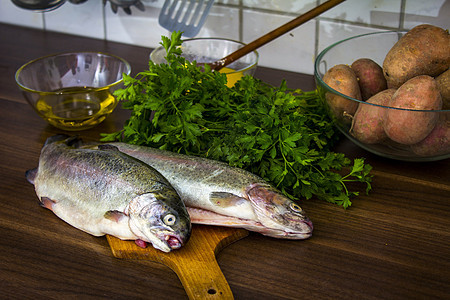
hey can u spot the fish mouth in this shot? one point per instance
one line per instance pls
(289, 235)
(163, 242)
(173, 242)
(170, 240)
(305, 232)
(166, 243)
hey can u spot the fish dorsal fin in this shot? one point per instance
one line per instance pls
(224, 199)
(108, 147)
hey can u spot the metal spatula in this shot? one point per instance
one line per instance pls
(187, 16)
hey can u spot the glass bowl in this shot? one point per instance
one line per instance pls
(73, 91)
(209, 50)
(435, 146)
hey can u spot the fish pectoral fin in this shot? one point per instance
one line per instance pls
(47, 203)
(224, 199)
(115, 215)
(107, 147)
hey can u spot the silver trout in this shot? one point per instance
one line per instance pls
(105, 191)
(217, 194)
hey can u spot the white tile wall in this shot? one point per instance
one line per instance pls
(331, 32)
(435, 12)
(222, 22)
(9, 13)
(293, 51)
(141, 28)
(367, 12)
(85, 20)
(242, 20)
(291, 6)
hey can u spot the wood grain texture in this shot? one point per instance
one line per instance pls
(391, 244)
(195, 263)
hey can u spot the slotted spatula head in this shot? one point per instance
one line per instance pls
(187, 16)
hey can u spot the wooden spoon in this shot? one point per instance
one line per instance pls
(216, 66)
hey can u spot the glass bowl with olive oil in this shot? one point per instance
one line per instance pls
(209, 50)
(73, 91)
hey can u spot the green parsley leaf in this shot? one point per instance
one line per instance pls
(283, 135)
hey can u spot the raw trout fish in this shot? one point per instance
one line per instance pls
(105, 191)
(217, 194)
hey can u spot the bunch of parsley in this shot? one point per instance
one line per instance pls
(282, 135)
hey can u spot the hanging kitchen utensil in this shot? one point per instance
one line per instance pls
(125, 5)
(39, 5)
(274, 34)
(175, 16)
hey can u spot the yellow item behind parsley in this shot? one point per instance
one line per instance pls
(283, 135)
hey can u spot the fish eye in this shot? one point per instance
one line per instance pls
(295, 207)
(169, 219)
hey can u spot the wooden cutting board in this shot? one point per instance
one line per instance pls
(195, 263)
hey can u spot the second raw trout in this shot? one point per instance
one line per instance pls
(216, 194)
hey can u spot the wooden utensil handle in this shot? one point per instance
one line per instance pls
(274, 34)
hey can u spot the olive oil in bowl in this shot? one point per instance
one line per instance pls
(76, 108)
(73, 91)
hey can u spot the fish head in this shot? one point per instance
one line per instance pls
(166, 227)
(281, 217)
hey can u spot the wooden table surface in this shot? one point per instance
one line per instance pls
(392, 244)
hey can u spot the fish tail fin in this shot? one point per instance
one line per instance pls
(108, 147)
(30, 175)
(56, 138)
(71, 141)
(74, 141)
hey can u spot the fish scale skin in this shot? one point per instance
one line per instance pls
(204, 184)
(85, 184)
(203, 177)
(86, 173)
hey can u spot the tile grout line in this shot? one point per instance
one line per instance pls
(241, 21)
(44, 26)
(105, 34)
(317, 34)
(401, 19)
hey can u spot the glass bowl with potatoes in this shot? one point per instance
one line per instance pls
(389, 92)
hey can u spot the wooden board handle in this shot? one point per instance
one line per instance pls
(202, 278)
(195, 263)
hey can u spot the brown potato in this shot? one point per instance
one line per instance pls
(424, 50)
(370, 77)
(408, 126)
(438, 141)
(367, 124)
(342, 79)
(443, 82)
